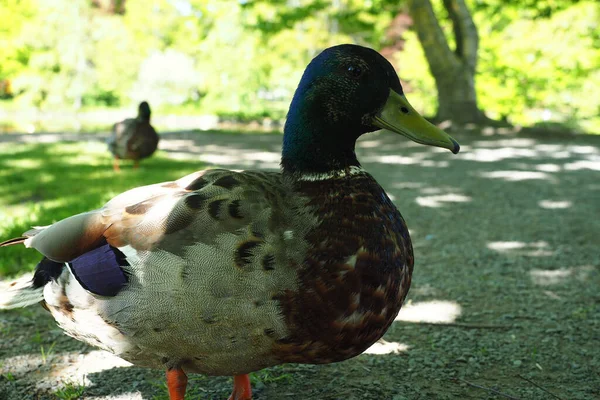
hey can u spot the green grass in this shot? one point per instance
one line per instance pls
(43, 183)
(9, 377)
(47, 352)
(270, 375)
(70, 391)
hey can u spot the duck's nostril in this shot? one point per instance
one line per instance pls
(404, 110)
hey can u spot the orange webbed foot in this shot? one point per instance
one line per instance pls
(177, 383)
(116, 167)
(241, 388)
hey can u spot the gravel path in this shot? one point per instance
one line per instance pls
(505, 291)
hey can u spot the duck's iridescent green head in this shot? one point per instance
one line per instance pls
(144, 111)
(346, 91)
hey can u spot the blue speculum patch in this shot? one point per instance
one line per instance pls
(99, 271)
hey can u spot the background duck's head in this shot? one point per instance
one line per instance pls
(346, 91)
(144, 111)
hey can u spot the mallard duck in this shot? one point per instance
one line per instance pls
(133, 138)
(224, 272)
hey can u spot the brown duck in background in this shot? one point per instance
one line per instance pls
(224, 272)
(133, 138)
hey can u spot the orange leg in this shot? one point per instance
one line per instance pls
(116, 164)
(136, 164)
(177, 383)
(241, 388)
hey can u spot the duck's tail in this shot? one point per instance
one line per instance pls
(20, 293)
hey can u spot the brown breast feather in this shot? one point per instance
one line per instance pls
(354, 277)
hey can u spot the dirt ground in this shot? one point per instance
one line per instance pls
(505, 295)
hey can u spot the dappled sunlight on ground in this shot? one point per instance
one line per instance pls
(440, 200)
(433, 196)
(380, 139)
(536, 249)
(434, 311)
(385, 347)
(78, 366)
(264, 159)
(416, 158)
(123, 396)
(26, 163)
(367, 144)
(408, 185)
(543, 167)
(49, 368)
(554, 204)
(21, 365)
(593, 165)
(493, 155)
(223, 155)
(504, 149)
(547, 277)
(498, 143)
(516, 175)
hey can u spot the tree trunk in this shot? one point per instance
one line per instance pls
(457, 98)
(454, 71)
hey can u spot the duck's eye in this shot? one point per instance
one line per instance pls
(354, 71)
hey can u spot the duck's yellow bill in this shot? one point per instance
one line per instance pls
(399, 116)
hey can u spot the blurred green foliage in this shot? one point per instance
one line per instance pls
(542, 67)
(243, 58)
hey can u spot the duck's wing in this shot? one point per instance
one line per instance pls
(195, 210)
(121, 133)
(123, 128)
